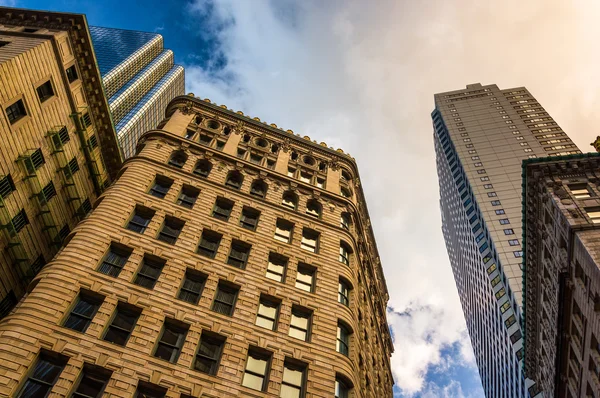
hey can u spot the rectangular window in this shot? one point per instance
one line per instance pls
(294, 379)
(499, 212)
(171, 340)
(484, 178)
(513, 242)
(92, 382)
(518, 253)
(115, 259)
(491, 194)
(170, 230)
(276, 267)
(7, 186)
(579, 191)
(482, 171)
(83, 311)
(149, 390)
(149, 271)
(283, 230)
(257, 369)
(44, 375)
(305, 278)
(488, 186)
(73, 165)
(238, 254)
(20, 220)
(209, 243)
(160, 186)
(249, 218)
(268, 310)
(209, 353)
(49, 191)
(140, 219)
(509, 231)
(222, 209)
(45, 91)
(187, 196)
(256, 158)
(192, 286)
(504, 221)
(225, 297)
(291, 172)
(310, 240)
(16, 111)
(511, 320)
(496, 280)
(300, 323)
(122, 324)
(495, 203)
(343, 340)
(72, 73)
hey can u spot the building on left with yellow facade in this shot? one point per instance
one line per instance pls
(58, 146)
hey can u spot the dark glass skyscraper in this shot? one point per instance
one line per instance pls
(481, 136)
(139, 77)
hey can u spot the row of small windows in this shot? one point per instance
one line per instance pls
(94, 379)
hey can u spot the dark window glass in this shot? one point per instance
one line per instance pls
(238, 255)
(268, 311)
(171, 340)
(7, 186)
(85, 207)
(48, 192)
(187, 196)
(258, 188)
(222, 209)
(63, 233)
(63, 135)
(149, 390)
(7, 304)
(209, 243)
(209, 353)
(160, 186)
(234, 180)
(178, 159)
(276, 267)
(45, 91)
(313, 208)
(122, 324)
(225, 299)
(149, 272)
(37, 159)
(343, 339)
(300, 323)
(92, 382)
(170, 230)
(20, 220)
(73, 165)
(191, 288)
(140, 219)
(87, 119)
(294, 379)
(203, 167)
(249, 218)
(290, 200)
(16, 111)
(93, 141)
(43, 376)
(257, 368)
(72, 73)
(114, 260)
(82, 313)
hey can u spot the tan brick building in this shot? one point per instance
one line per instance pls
(54, 123)
(229, 259)
(562, 278)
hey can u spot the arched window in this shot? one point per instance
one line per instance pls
(345, 221)
(203, 167)
(234, 179)
(178, 158)
(290, 200)
(345, 192)
(313, 208)
(345, 252)
(258, 188)
(346, 176)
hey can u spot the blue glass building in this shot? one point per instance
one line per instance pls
(481, 136)
(139, 77)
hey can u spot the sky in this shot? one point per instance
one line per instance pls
(361, 75)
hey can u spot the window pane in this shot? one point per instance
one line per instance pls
(256, 365)
(252, 381)
(289, 391)
(292, 376)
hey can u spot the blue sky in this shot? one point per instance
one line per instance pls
(362, 78)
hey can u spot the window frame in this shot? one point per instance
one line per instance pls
(280, 225)
(312, 271)
(211, 237)
(149, 261)
(301, 313)
(305, 241)
(113, 249)
(143, 213)
(128, 310)
(95, 373)
(213, 339)
(342, 345)
(272, 303)
(173, 326)
(170, 230)
(227, 288)
(244, 216)
(89, 297)
(195, 277)
(55, 359)
(258, 354)
(239, 253)
(187, 196)
(222, 209)
(273, 259)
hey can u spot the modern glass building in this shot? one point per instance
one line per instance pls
(139, 77)
(481, 136)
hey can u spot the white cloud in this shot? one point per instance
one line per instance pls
(361, 76)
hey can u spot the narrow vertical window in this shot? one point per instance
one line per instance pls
(305, 278)
(310, 240)
(44, 375)
(171, 340)
(72, 73)
(257, 368)
(149, 272)
(209, 353)
(283, 230)
(84, 310)
(345, 252)
(225, 297)
(343, 339)
(276, 267)
(268, 310)
(300, 323)
(192, 286)
(343, 293)
(122, 324)
(341, 389)
(345, 221)
(293, 384)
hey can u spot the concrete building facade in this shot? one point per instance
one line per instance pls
(230, 258)
(561, 219)
(481, 136)
(139, 77)
(58, 143)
